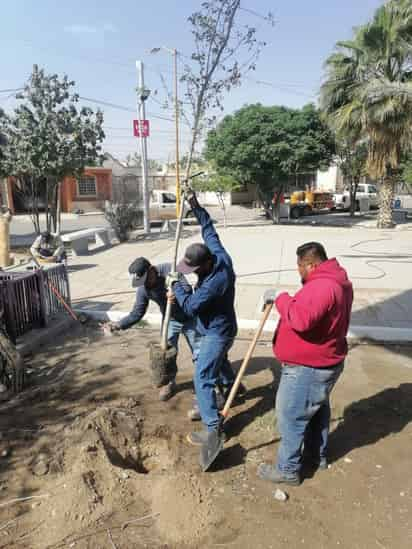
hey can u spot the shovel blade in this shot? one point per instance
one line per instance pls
(211, 449)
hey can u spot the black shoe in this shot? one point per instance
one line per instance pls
(269, 472)
(225, 391)
(316, 462)
(198, 438)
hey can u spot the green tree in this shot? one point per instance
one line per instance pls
(405, 171)
(220, 184)
(49, 138)
(368, 90)
(268, 145)
(352, 157)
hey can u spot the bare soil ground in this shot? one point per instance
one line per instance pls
(104, 464)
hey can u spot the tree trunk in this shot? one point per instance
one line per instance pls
(220, 197)
(267, 204)
(386, 195)
(57, 227)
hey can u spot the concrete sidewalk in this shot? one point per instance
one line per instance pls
(379, 264)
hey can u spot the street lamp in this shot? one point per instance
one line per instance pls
(173, 52)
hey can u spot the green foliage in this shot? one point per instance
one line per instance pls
(352, 159)
(218, 183)
(266, 145)
(123, 219)
(368, 87)
(48, 136)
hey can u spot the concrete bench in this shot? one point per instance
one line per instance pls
(79, 240)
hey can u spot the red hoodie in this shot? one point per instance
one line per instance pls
(313, 324)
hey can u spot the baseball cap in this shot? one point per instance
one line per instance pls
(195, 255)
(138, 271)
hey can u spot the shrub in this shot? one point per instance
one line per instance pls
(123, 219)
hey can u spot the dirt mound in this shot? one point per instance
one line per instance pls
(105, 462)
(185, 512)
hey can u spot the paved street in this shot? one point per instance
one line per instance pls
(22, 231)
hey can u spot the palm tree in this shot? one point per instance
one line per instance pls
(368, 93)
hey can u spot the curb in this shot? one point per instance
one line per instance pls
(375, 334)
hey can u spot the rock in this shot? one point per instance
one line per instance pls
(40, 468)
(124, 475)
(5, 453)
(280, 495)
(347, 460)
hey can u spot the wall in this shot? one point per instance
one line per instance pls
(327, 180)
(70, 200)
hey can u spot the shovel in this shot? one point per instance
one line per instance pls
(163, 359)
(214, 444)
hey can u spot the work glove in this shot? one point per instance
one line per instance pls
(171, 279)
(269, 297)
(191, 197)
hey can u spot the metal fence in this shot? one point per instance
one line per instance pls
(28, 300)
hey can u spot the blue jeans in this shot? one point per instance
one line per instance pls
(212, 368)
(303, 414)
(187, 328)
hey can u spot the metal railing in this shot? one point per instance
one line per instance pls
(27, 299)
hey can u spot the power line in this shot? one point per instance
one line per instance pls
(12, 90)
(121, 107)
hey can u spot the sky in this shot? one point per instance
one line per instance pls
(97, 42)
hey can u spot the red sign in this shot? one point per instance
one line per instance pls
(141, 126)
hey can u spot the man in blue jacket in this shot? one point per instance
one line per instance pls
(150, 283)
(212, 304)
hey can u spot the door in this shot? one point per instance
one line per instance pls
(373, 196)
(167, 205)
(154, 206)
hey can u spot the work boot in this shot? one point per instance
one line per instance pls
(225, 391)
(194, 413)
(270, 472)
(167, 391)
(198, 438)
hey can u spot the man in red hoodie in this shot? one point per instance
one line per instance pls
(310, 343)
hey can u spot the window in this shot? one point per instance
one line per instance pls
(87, 186)
(169, 198)
(373, 189)
(361, 189)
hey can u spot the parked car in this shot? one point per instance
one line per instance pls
(342, 201)
(163, 206)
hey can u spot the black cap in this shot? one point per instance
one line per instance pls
(138, 269)
(195, 255)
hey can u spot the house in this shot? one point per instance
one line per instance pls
(89, 192)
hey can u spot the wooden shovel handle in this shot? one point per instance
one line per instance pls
(245, 363)
(166, 319)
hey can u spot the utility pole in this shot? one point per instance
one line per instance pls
(142, 95)
(178, 204)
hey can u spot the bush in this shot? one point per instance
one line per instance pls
(123, 219)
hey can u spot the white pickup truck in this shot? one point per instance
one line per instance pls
(163, 206)
(342, 201)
